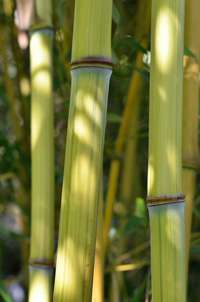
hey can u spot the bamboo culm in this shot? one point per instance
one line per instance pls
(91, 53)
(166, 202)
(42, 151)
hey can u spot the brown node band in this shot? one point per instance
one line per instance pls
(92, 61)
(40, 262)
(165, 199)
(33, 29)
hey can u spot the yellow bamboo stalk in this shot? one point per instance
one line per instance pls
(42, 149)
(190, 112)
(91, 53)
(166, 206)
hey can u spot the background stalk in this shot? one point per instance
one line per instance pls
(130, 187)
(42, 214)
(119, 148)
(166, 206)
(91, 52)
(191, 112)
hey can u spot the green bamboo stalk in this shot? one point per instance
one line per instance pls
(91, 53)
(42, 148)
(190, 112)
(166, 206)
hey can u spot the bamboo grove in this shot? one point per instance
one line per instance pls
(99, 151)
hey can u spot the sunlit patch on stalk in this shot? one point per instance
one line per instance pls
(69, 278)
(164, 47)
(39, 287)
(42, 80)
(84, 170)
(92, 109)
(82, 129)
(43, 56)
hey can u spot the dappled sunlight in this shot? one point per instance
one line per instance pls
(39, 42)
(42, 81)
(68, 279)
(82, 129)
(40, 289)
(83, 169)
(80, 193)
(94, 113)
(164, 46)
(41, 85)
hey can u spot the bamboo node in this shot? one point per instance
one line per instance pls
(42, 263)
(49, 29)
(93, 61)
(165, 199)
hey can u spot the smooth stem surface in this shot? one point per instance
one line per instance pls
(191, 112)
(84, 152)
(164, 168)
(92, 29)
(80, 195)
(167, 254)
(42, 214)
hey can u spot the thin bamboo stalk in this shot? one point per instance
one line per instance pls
(42, 149)
(91, 52)
(190, 112)
(166, 206)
